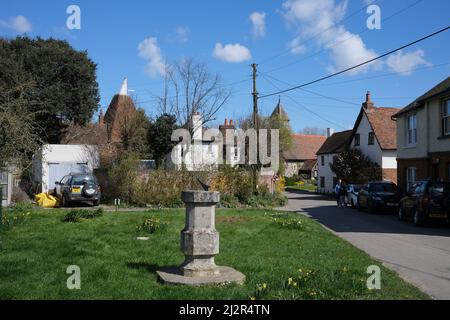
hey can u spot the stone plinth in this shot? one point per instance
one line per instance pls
(200, 244)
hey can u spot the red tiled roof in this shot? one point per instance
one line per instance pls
(384, 127)
(304, 147)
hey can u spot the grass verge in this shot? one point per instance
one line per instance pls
(305, 262)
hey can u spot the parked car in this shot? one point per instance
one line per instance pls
(379, 196)
(78, 187)
(426, 200)
(352, 191)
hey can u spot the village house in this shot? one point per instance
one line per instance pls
(423, 134)
(301, 159)
(374, 134)
(333, 145)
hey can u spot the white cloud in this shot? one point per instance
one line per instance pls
(232, 52)
(296, 46)
(149, 50)
(19, 24)
(319, 19)
(258, 20)
(405, 63)
(181, 35)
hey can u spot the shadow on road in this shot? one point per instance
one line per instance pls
(323, 210)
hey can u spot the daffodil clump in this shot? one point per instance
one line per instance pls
(260, 291)
(15, 215)
(151, 225)
(289, 223)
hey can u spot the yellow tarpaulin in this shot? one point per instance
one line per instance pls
(46, 200)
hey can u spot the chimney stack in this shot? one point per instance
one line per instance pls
(368, 103)
(330, 132)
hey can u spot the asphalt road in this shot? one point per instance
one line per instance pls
(421, 256)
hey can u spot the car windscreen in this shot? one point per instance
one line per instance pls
(80, 180)
(383, 187)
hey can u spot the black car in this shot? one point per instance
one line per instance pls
(78, 187)
(382, 196)
(426, 200)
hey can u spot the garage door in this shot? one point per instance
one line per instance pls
(57, 171)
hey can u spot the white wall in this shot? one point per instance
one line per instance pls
(419, 150)
(372, 151)
(389, 159)
(62, 153)
(325, 171)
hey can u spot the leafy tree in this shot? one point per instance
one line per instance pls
(353, 166)
(134, 134)
(62, 82)
(159, 136)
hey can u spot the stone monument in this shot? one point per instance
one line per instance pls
(200, 244)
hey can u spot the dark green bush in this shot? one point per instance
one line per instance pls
(78, 215)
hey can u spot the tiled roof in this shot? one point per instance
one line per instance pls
(304, 147)
(336, 143)
(384, 127)
(438, 89)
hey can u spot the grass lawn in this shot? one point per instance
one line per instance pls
(306, 187)
(115, 265)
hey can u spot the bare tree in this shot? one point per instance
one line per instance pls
(195, 90)
(18, 128)
(313, 131)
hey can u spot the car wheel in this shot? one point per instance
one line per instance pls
(418, 218)
(401, 214)
(358, 206)
(370, 207)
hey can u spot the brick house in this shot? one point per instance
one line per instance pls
(423, 134)
(374, 133)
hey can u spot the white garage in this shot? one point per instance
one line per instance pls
(54, 161)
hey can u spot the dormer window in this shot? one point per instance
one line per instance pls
(371, 141)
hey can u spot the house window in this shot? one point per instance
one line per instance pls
(411, 177)
(371, 138)
(446, 118)
(357, 140)
(412, 130)
(322, 182)
(4, 185)
(322, 160)
(236, 152)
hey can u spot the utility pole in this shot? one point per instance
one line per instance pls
(255, 125)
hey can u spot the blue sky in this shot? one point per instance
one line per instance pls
(293, 41)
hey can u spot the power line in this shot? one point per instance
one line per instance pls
(304, 107)
(358, 65)
(320, 32)
(384, 75)
(314, 93)
(328, 46)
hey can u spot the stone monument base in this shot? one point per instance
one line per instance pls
(223, 276)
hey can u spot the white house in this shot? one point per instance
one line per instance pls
(334, 145)
(375, 134)
(204, 151)
(54, 161)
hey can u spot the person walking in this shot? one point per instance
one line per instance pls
(343, 193)
(337, 192)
